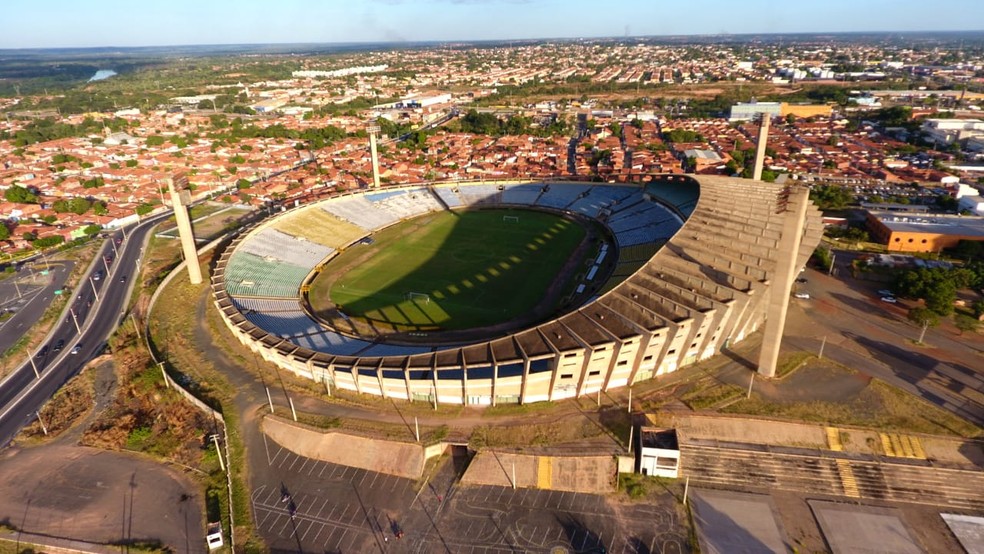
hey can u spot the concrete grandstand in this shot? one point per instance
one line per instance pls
(695, 259)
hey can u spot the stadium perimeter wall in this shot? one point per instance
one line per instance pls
(706, 288)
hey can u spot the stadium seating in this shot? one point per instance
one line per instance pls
(271, 243)
(250, 275)
(559, 195)
(600, 197)
(684, 197)
(449, 196)
(472, 195)
(361, 212)
(523, 195)
(263, 275)
(320, 227)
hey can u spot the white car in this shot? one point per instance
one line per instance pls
(889, 299)
(803, 295)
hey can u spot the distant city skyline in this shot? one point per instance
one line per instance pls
(107, 23)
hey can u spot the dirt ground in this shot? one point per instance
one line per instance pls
(53, 488)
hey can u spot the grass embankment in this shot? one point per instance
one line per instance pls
(172, 325)
(879, 406)
(460, 270)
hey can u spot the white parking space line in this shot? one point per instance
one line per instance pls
(296, 459)
(275, 456)
(266, 514)
(310, 524)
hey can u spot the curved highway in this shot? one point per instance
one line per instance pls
(95, 311)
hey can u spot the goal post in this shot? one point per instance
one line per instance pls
(418, 297)
(510, 219)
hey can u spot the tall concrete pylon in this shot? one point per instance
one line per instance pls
(373, 129)
(180, 198)
(792, 203)
(760, 146)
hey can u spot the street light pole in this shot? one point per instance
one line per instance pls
(922, 334)
(76, 320)
(95, 293)
(35, 368)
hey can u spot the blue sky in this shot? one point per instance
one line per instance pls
(86, 23)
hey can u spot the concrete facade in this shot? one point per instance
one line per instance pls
(178, 187)
(708, 286)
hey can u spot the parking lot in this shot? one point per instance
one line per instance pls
(310, 505)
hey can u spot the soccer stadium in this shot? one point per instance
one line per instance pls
(437, 292)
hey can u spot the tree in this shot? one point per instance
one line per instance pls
(924, 318)
(47, 242)
(144, 209)
(936, 286)
(966, 323)
(99, 208)
(91, 230)
(155, 140)
(978, 308)
(20, 195)
(4, 231)
(831, 197)
(824, 257)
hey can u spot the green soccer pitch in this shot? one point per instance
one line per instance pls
(450, 270)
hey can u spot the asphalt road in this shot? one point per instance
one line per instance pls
(96, 309)
(32, 306)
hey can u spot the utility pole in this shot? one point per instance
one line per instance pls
(218, 451)
(822, 344)
(922, 334)
(269, 399)
(751, 381)
(35, 368)
(41, 421)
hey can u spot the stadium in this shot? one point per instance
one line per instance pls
(658, 273)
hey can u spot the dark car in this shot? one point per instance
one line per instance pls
(123, 279)
(76, 349)
(43, 352)
(59, 345)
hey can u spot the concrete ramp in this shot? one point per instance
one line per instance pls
(589, 474)
(392, 458)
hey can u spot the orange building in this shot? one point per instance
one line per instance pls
(921, 232)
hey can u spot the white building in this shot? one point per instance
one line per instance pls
(948, 131)
(747, 111)
(659, 452)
